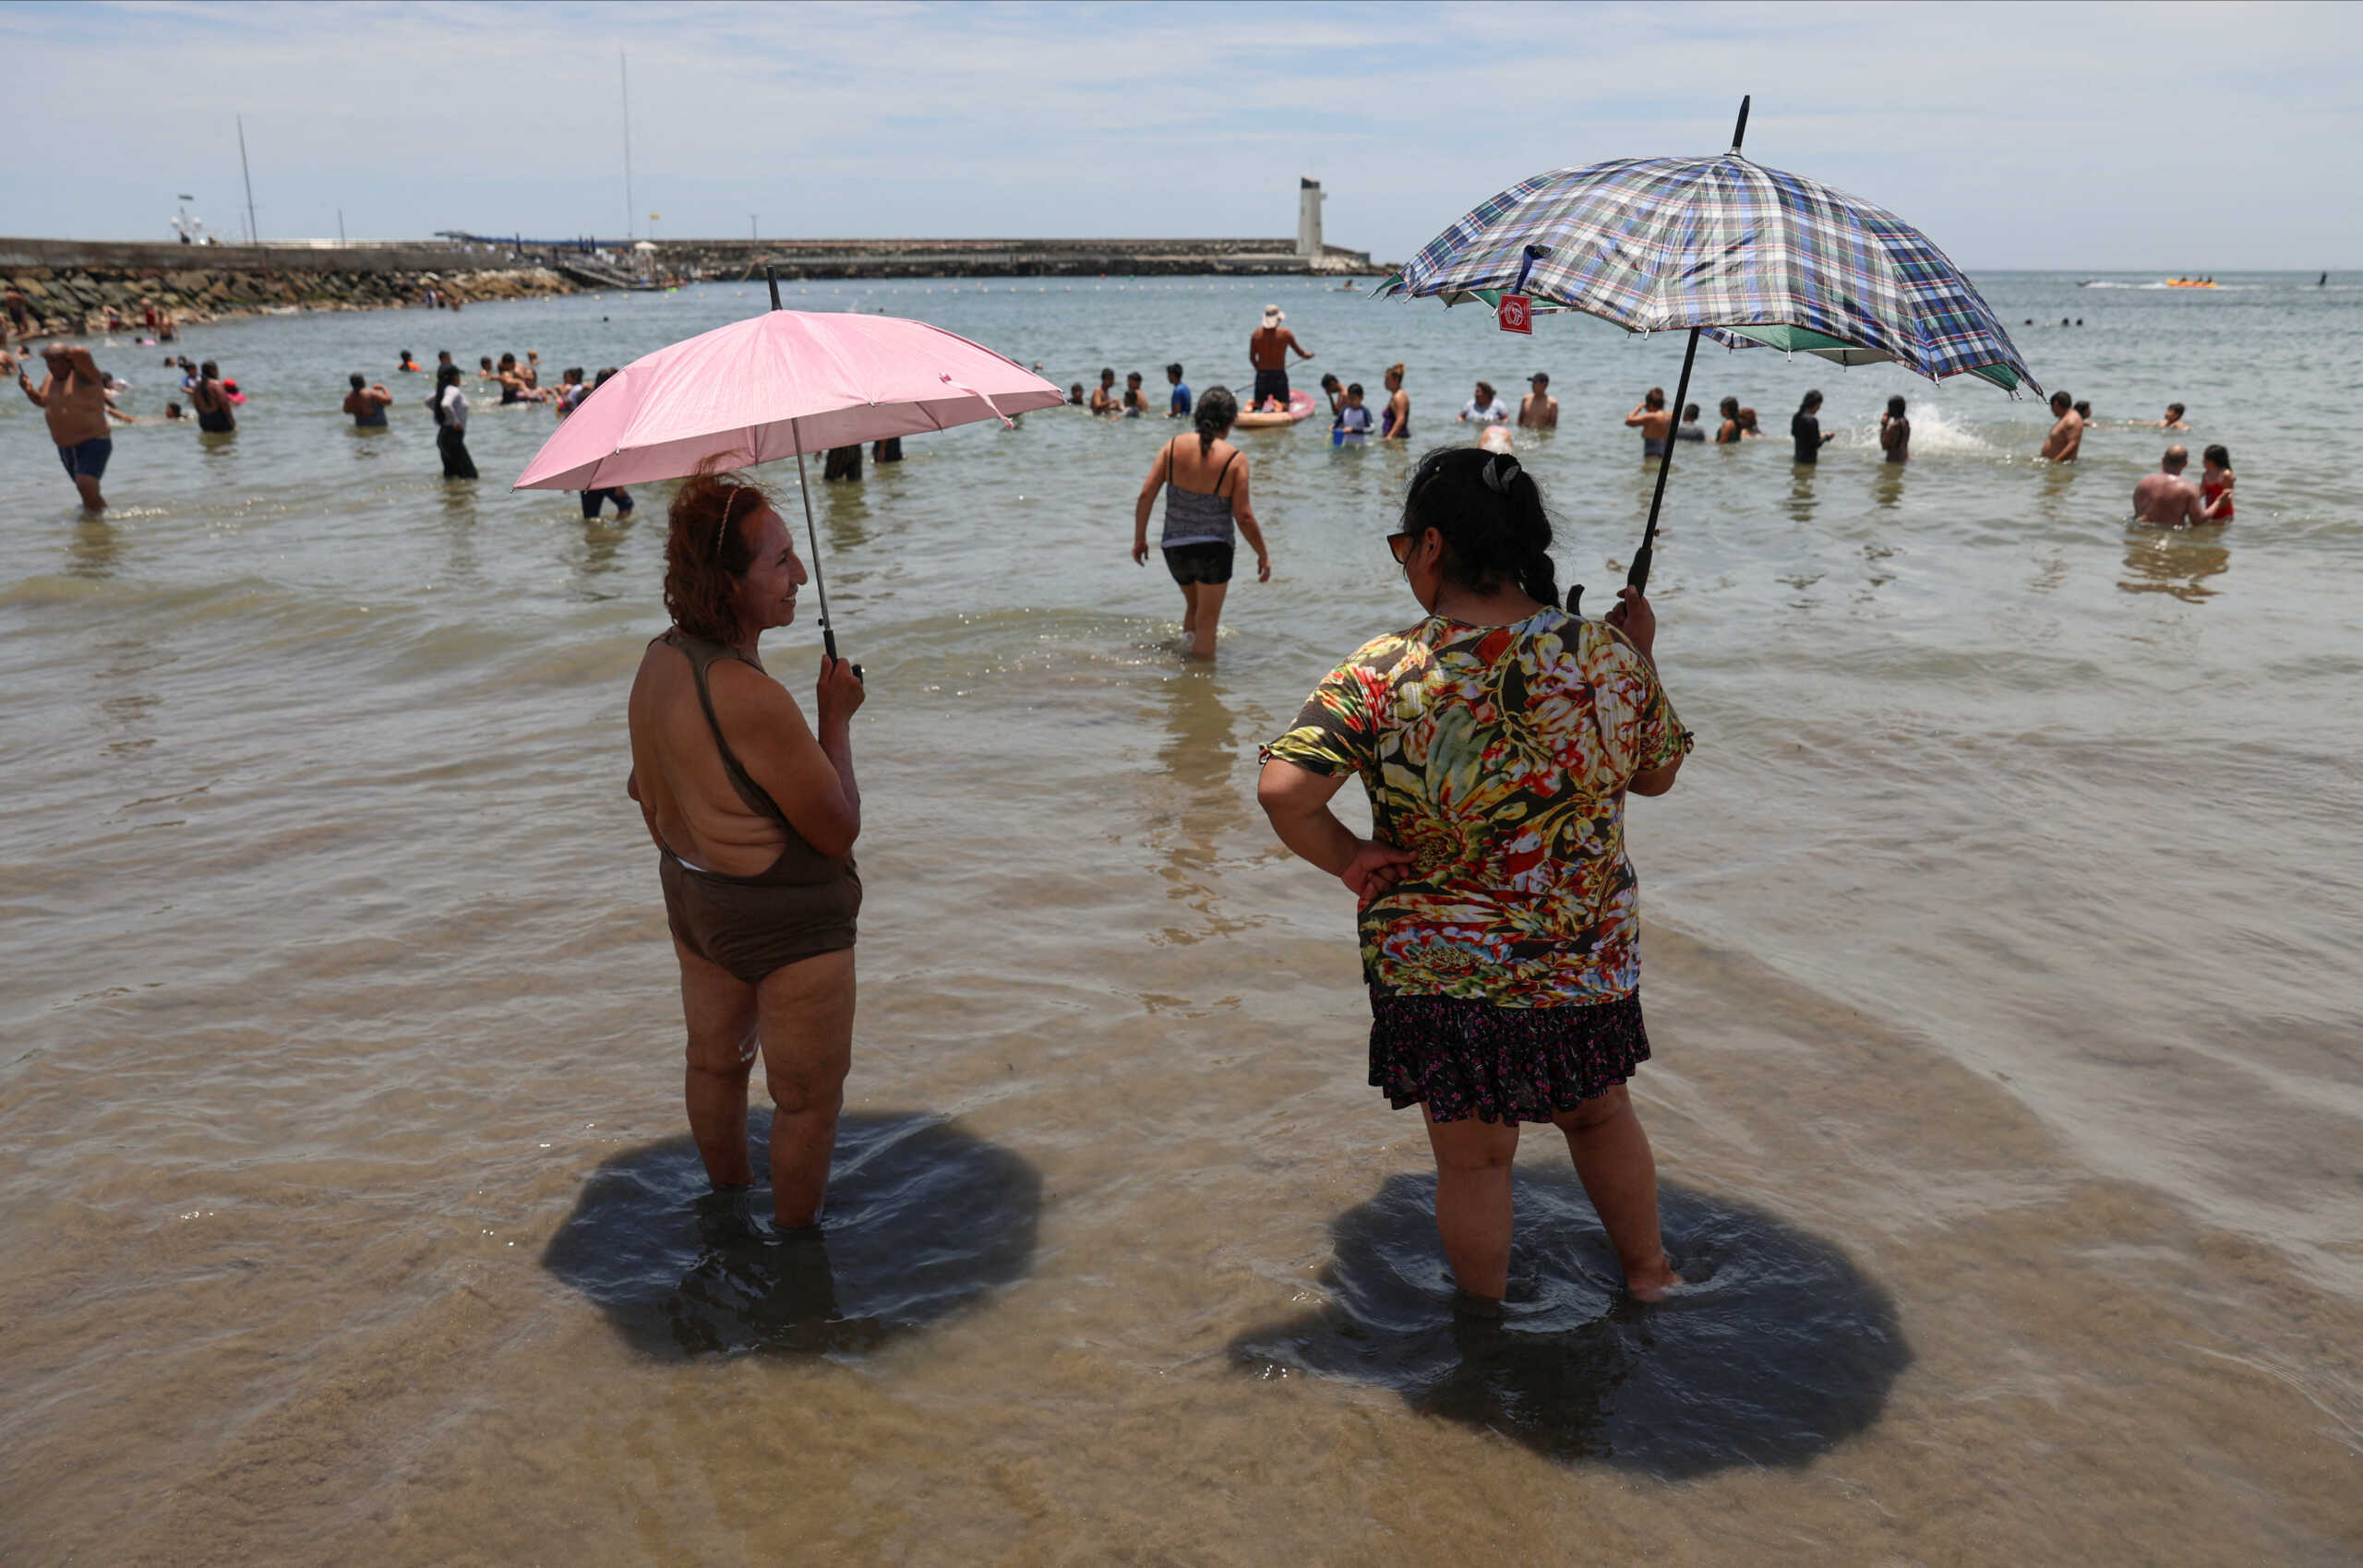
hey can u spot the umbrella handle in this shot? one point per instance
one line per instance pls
(1639, 576)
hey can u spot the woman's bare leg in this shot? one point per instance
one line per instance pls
(1473, 1201)
(1206, 615)
(720, 1011)
(806, 1011)
(1620, 1176)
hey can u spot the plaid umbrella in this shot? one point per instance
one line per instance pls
(1748, 256)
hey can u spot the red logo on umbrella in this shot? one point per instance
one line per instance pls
(1516, 313)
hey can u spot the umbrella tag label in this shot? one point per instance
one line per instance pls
(1516, 313)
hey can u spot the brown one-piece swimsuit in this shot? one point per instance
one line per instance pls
(802, 906)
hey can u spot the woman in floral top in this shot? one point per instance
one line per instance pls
(1497, 740)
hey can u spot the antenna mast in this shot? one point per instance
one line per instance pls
(624, 67)
(254, 235)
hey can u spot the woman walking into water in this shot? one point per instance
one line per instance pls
(1205, 479)
(754, 815)
(1497, 740)
(450, 406)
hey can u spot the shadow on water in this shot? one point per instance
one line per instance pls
(1775, 1351)
(923, 1220)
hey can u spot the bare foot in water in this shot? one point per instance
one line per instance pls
(1654, 1283)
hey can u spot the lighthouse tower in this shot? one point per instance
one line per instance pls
(1308, 218)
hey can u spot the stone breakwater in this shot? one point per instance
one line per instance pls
(72, 300)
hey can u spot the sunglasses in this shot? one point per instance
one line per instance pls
(1401, 544)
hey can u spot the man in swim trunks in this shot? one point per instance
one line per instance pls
(73, 397)
(1654, 421)
(1538, 410)
(1267, 351)
(754, 814)
(2167, 498)
(2067, 436)
(2172, 421)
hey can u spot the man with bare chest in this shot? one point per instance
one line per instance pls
(1267, 351)
(73, 396)
(2067, 437)
(2167, 498)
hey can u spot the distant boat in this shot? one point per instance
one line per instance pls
(2086, 283)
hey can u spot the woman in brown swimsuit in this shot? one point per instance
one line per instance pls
(754, 817)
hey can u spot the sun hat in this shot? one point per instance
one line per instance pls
(1272, 317)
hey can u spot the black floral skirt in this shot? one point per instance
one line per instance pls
(1462, 1058)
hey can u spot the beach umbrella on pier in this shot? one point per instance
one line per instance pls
(1746, 256)
(777, 385)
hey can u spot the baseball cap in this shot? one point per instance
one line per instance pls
(1541, 379)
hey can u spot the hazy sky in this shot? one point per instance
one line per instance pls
(2158, 136)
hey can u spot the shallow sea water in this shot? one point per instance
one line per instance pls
(2002, 973)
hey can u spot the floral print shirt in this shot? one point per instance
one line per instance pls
(1499, 757)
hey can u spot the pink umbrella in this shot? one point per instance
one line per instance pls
(780, 385)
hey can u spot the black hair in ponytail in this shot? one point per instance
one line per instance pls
(1215, 412)
(1490, 511)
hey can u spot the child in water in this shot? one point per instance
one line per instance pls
(2215, 483)
(1353, 422)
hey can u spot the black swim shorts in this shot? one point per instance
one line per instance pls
(1270, 384)
(88, 457)
(1209, 562)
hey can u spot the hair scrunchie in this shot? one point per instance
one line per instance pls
(1501, 470)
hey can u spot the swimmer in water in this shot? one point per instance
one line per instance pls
(1650, 418)
(1353, 422)
(1806, 431)
(1395, 419)
(1538, 410)
(2215, 482)
(1895, 432)
(2168, 500)
(367, 404)
(1103, 397)
(2172, 420)
(408, 367)
(2067, 437)
(1728, 431)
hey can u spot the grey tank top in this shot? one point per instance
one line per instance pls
(1196, 516)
